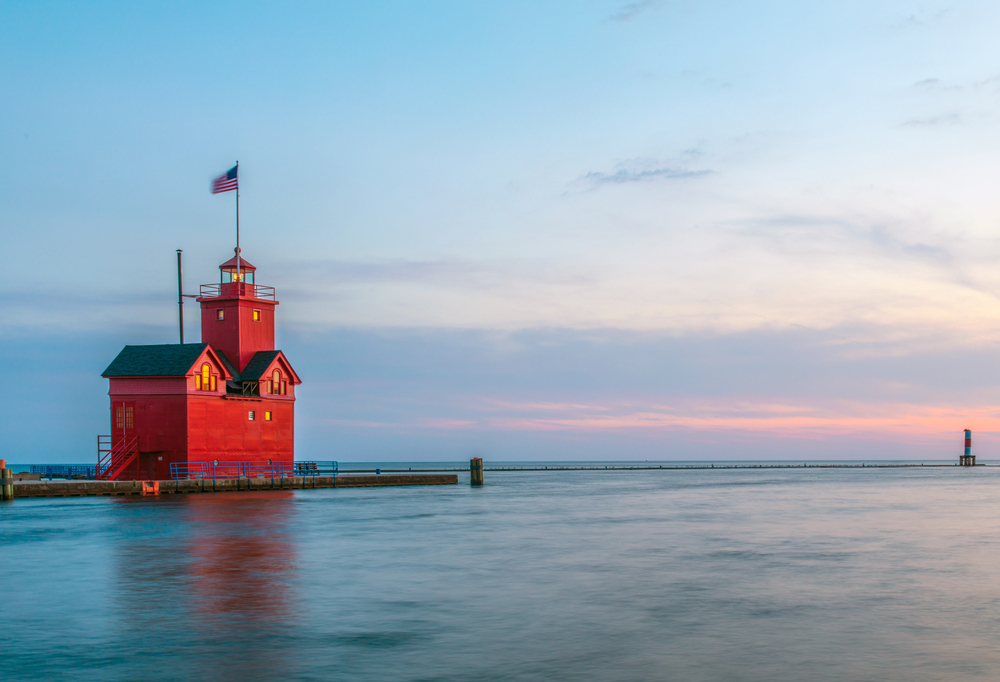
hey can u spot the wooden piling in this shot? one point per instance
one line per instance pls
(6, 482)
(476, 471)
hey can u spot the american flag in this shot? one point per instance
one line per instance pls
(226, 182)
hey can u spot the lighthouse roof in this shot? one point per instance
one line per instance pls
(163, 360)
(244, 265)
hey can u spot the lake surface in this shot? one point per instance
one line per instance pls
(745, 574)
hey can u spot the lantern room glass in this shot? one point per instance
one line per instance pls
(229, 275)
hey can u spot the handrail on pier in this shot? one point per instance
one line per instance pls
(215, 469)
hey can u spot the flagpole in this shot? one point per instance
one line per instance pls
(238, 278)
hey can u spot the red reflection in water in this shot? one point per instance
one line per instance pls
(208, 568)
(241, 558)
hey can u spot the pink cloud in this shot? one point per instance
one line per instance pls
(356, 422)
(446, 424)
(768, 417)
(881, 421)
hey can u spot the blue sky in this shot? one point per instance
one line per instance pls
(521, 230)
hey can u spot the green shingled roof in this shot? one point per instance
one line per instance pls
(229, 365)
(258, 363)
(168, 360)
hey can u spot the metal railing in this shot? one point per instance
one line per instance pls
(68, 472)
(215, 469)
(232, 289)
(316, 468)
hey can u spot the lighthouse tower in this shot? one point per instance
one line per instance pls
(227, 400)
(237, 316)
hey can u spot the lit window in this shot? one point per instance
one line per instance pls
(119, 418)
(267, 416)
(275, 382)
(128, 417)
(256, 316)
(205, 380)
(220, 314)
(251, 415)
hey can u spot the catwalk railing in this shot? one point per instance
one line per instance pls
(231, 289)
(216, 469)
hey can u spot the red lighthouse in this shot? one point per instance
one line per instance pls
(229, 399)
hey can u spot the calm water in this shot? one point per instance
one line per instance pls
(797, 574)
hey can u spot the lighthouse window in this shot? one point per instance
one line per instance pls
(125, 417)
(251, 415)
(205, 380)
(256, 316)
(220, 314)
(275, 386)
(284, 388)
(267, 416)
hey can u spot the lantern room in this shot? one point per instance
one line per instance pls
(236, 270)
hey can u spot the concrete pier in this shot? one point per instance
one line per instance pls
(103, 488)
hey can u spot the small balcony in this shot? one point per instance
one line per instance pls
(237, 290)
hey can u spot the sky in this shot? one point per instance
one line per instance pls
(520, 230)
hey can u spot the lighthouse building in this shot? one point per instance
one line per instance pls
(225, 401)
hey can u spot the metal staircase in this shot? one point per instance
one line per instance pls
(114, 458)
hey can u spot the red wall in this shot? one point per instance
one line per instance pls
(160, 422)
(221, 429)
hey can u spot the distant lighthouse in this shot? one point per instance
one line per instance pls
(968, 459)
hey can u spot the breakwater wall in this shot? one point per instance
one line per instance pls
(222, 485)
(682, 467)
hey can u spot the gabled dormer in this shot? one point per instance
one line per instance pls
(272, 374)
(208, 374)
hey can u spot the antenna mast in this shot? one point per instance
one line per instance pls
(180, 296)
